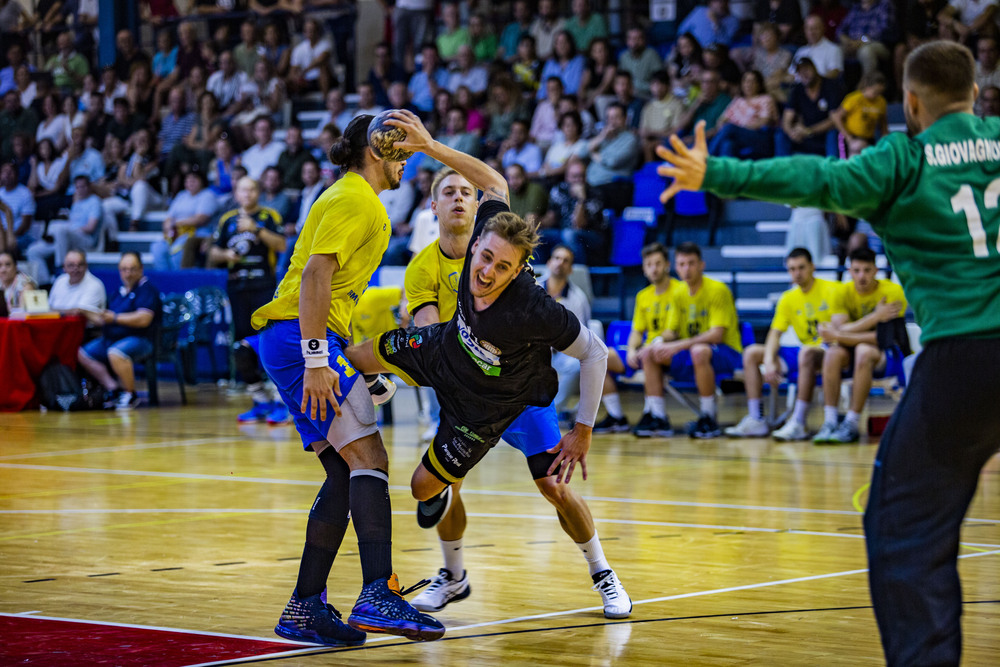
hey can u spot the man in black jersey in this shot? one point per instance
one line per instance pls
(493, 358)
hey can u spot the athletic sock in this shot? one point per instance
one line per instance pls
(801, 408)
(453, 561)
(328, 520)
(258, 393)
(753, 408)
(594, 553)
(613, 404)
(707, 405)
(830, 414)
(656, 406)
(372, 514)
(852, 417)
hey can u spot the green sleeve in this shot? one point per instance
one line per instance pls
(862, 187)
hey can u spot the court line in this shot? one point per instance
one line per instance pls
(481, 515)
(123, 448)
(681, 596)
(484, 492)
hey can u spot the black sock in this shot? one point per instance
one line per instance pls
(328, 521)
(372, 522)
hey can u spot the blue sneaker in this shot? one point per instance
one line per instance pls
(257, 413)
(381, 607)
(278, 415)
(312, 620)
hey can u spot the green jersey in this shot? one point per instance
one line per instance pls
(933, 199)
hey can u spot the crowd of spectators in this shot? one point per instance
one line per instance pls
(541, 90)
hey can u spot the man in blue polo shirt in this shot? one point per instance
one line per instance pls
(128, 330)
(80, 232)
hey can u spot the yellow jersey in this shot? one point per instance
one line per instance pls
(432, 277)
(862, 115)
(377, 312)
(857, 306)
(348, 221)
(712, 306)
(652, 310)
(805, 312)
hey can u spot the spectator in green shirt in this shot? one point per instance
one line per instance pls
(481, 37)
(453, 35)
(67, 66)
(584, 25)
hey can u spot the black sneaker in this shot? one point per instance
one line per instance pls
(430, 512)
(705, 428)
(652, 427)
(611, 425)
(312, 620)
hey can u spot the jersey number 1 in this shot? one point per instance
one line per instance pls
(965, 201)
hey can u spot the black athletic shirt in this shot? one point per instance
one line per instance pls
(503, 353)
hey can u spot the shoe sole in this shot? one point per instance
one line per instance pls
(781, 439)
(282, 631)
(457, 598)
(423, 519)
(746, 435)
(628, 613)
(613, 429)
(410, 629)
(390, 392)
(709, 435)
(652, 434)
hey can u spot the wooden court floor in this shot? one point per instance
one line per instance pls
(734, 553)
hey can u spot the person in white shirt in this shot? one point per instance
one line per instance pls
(265, 152)
(336, 111)
(77, 289)
(556, 282)
(310, 62)
(366, 101)
(229, 85)
(467, 73)
(827, 56)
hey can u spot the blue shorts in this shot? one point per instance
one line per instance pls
(135, 348)
(725, 361)
(280, 351)
(534, 431)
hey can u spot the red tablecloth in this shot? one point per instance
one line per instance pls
(26, 346)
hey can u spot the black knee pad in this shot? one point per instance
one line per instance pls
(539, 464)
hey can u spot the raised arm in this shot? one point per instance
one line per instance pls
(480, 174)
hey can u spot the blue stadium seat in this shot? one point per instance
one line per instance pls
(627, 238)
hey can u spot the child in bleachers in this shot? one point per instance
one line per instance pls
(862, 113)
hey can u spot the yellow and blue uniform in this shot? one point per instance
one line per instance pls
(652, 310)
(694, 314)
(432, 279)
(857, 305)
(805, 311)
(349, 222)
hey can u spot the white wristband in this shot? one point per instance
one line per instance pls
(316, 352)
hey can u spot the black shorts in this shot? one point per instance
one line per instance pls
(470, 425)
(244, 301)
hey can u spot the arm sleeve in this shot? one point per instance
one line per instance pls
(862, 187)
(593, 356)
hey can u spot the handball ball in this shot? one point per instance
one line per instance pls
(382, 136)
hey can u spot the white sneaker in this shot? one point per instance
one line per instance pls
(442, 590)
(429, 433)
(792, 430)
(617, 603)
(126, 401)
(749, 427)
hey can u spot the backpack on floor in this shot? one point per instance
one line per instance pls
(59, 388)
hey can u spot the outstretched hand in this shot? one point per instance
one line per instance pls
(572, 449)
(418, 139)
(685, 165)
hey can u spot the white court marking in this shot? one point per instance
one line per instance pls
(489, 624)
(513, 494)
(480, 515)
(123, 448)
